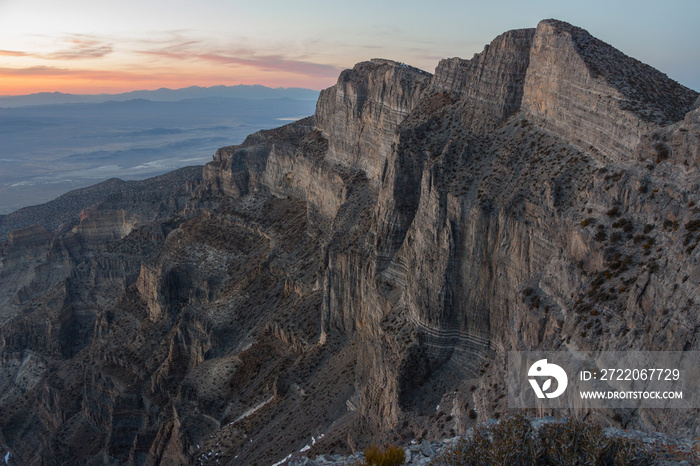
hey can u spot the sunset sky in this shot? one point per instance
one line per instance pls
(94, 46)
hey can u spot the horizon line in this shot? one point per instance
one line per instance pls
(38, 93)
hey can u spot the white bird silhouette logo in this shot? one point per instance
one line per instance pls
(542, 368)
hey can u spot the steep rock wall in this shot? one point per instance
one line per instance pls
(594, 95)
(360, 114)
(477, 241)
(490, 85)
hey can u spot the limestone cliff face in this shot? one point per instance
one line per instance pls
(360, 114)
(490, 85)
(333, 281)
(476, 241)
(594, 95)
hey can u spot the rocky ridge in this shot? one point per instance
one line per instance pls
(332, 281)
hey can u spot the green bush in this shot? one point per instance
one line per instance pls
(389, 456)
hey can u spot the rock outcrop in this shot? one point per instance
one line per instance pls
(361, 274)
(359, 116)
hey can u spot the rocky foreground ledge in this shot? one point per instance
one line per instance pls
(581, 441)
(418, 453)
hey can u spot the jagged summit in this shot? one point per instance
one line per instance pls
(384, 61)
(580, 87)
(360, 275)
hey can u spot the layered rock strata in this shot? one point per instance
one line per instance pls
(359, 275)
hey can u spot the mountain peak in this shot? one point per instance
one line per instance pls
(588, 91)
(645, 91)
(360, 276)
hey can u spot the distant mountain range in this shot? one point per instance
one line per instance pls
(254, 92)
(75, 141)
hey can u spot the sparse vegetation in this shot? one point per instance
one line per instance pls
(625, 224)
(600, 235)
(571, 442)
(693, 226)
(614, 212)
(588, 221)
(389, 456)
(670, 225)
(662, 152)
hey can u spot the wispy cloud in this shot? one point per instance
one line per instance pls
(36, 71)
(179, 47)
(52, 71)
(81, 47)
(168, 58)
(265, 62)
(77, 47)
(12, 53)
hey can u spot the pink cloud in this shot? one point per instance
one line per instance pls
(264, 62)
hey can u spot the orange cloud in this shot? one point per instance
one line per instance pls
(35, 71)
(80, 73)
(174, 62)
(12, 53)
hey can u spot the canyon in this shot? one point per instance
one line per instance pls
(329, 283)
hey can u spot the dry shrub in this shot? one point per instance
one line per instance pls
(514, 441)
(389, 456)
